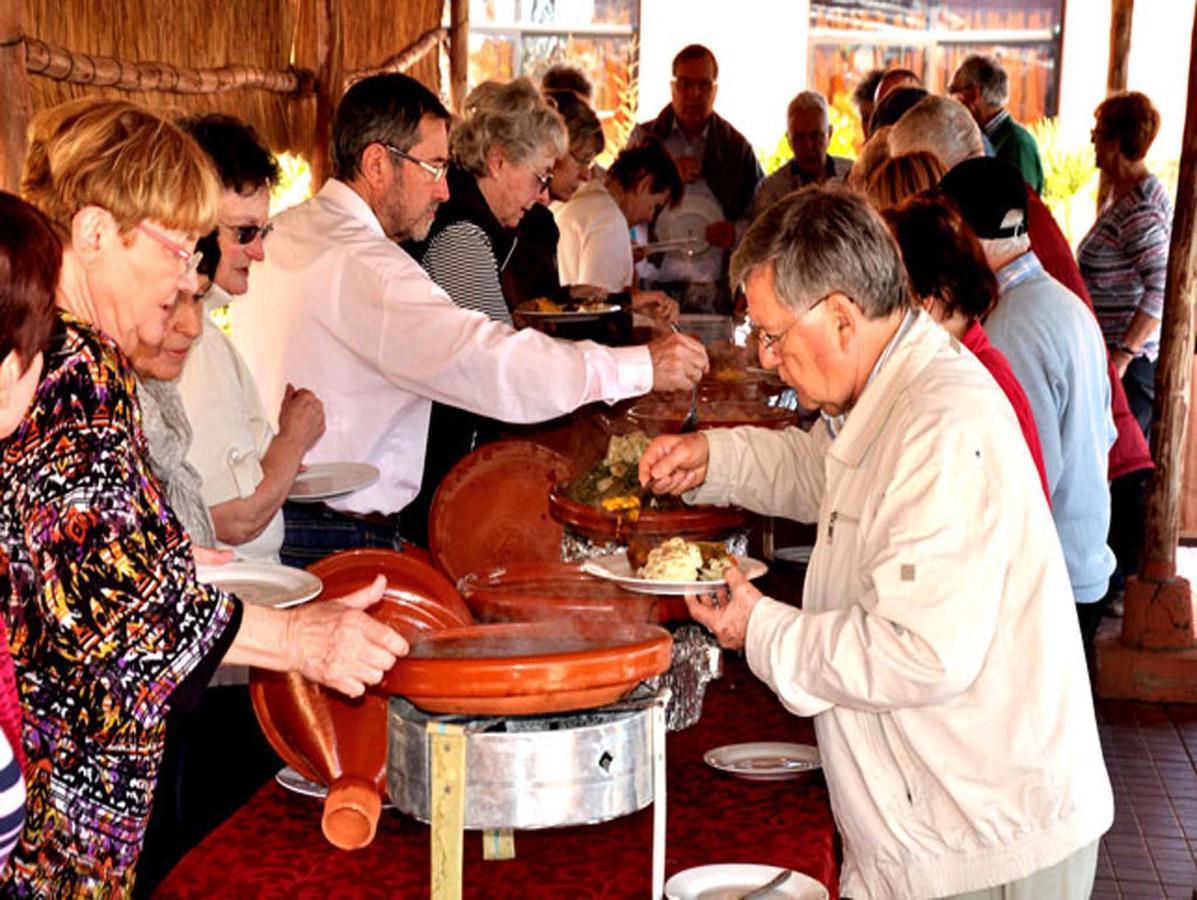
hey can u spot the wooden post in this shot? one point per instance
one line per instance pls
(330, 82)
(1174, 368)
(14, 88)
(459, 52)
(1122, 14)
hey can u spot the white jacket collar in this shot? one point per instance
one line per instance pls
(339, 194)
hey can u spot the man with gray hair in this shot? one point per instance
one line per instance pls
(936, 647)
(808, 129)
(982, 85)
(1056, 350)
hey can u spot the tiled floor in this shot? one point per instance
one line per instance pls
(1150, 753)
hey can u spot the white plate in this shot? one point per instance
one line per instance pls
(764, 760)
(568, 315)
(292, 781)
(615, 567)
(793, 554)
(323, 481)
(688, 220)
(262, 584)
(730, 881)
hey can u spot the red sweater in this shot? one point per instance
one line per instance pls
(1130, 452)
(995, 361)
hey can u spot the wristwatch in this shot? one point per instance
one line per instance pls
(1124, 347)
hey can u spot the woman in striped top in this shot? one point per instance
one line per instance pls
(30, 260)
(1124, 257)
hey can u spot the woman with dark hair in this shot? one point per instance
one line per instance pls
(1124, 257)
(955, 285)
(30, 259)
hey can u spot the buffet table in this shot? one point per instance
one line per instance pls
(273, 847)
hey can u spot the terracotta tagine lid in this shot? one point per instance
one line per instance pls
(665, 416)
(342, 742)
(493, 508)
(527, 668)
(562, 592)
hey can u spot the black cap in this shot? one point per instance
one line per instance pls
(991, 196)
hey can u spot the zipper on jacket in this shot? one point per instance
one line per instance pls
(897, 757)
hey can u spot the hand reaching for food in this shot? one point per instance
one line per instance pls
(675, 463)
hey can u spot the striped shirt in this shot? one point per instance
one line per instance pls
(1124, 261)
(461, 260)
(12, 800)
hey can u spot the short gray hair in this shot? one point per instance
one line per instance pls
(942, 127)
(808, 101)
(822, 239)
(988, 76)
(513, 117)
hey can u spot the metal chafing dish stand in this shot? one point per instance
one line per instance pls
(498, 774)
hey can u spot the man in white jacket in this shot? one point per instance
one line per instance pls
(937, 646)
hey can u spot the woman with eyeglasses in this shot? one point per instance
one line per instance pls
(109, 628)
(246, 467)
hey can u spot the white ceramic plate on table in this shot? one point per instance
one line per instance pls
(262, 584)
(800, 555)
(764, 760)
(324, 481)
(616, 567)
(688, 221)
(730, 881)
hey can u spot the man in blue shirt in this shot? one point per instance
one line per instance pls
(1056, 351)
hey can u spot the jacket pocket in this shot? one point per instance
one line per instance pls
(903, 764)
(839, 520)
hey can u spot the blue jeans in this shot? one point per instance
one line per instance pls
(313, 531)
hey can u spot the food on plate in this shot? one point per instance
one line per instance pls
(613, 484)
(680, 560)
(545, 305)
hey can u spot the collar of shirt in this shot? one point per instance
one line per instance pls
(1018, 270)
(802, 178)
(338, 193)
(993, 124)
(700, 141)
(835, 424)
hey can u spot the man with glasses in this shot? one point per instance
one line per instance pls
(721, 173)
(936, 645)
(340, 307)
(808, 129)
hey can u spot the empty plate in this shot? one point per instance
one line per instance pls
(799, 555)
(764, 760)
(324, 481)
(262, 584)
(731, 881)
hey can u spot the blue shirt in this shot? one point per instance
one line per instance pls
(1056, 351)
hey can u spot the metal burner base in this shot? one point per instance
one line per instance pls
(530, 772)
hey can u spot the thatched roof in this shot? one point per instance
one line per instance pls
(271, 34)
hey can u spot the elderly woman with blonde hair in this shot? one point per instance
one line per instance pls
(109, 627)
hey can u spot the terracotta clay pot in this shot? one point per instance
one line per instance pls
(690, 522)
(529, 668)
(342, 742)
(666, 416)
(492, 508)
(562, 592)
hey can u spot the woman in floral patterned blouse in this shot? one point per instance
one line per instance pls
(109, 628)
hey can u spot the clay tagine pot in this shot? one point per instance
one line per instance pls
(561, 592)
(690, 522)
(528, 668)
(342, 742)
(666, 416)
(492, 508)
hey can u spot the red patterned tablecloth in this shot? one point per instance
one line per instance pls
(273, 847)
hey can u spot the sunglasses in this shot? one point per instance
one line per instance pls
(244, 234)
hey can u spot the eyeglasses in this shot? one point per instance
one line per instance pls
(245, 234)
(768, 341)
(190, 259)
(437, 172)
(543, 180)
(694, 84)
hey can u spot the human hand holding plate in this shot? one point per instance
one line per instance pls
(726, 611)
